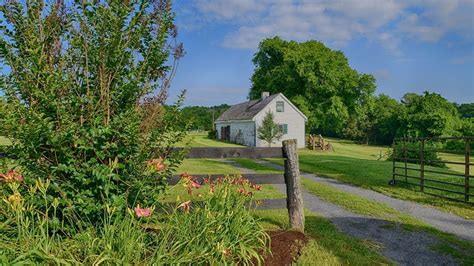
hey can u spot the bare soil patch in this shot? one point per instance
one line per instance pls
(286, 247)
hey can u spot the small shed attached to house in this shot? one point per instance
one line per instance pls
(240, 122)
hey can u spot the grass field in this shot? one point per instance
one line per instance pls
(201, 140)
(327, 246)
(459, 249)
(360, 165)
(351, 163)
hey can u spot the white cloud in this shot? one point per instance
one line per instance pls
(230, 9)
(388, 22)
(462, 60)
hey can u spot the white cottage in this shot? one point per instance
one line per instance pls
(240, 122)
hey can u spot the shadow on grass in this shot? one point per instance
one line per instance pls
(363, 240)
(375, 175)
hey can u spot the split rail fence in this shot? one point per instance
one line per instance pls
(291, 176)
(423, 163)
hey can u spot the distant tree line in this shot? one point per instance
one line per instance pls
(340, 102)
(202, 117)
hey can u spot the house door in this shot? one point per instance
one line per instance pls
(225, 133)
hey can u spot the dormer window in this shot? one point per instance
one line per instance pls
(280, 106)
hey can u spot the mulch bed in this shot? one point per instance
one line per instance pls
(286, 247)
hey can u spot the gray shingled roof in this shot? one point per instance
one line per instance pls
(246, 110)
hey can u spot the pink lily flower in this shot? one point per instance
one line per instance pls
(142, 212)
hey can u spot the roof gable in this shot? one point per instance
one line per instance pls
(248, 110)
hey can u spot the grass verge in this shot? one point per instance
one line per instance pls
(327, 246)
(459, 249)
(360, 165)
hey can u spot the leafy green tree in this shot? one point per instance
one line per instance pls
(361, 124)
(389, 114)
(201, 117)
(317, 79)
(430, 115)
(75, 109)
(466, 110)
(269, 131)
(467, 128)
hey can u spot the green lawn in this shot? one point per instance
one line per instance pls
(201, 140)
(327, 245)
(461, 250)
(360, 165)
(352, 163)
(205, 166)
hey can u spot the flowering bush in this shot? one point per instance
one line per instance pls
(76, 102)
(216, 226)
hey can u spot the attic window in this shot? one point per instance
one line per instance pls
(280, 106)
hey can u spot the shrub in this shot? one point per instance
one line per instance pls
(212, 134)
(216, 226)
(73, 103)
(31, 236)
(413, 152)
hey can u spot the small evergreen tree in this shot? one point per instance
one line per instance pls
(269, 130)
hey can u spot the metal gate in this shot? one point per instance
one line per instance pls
(440, 166)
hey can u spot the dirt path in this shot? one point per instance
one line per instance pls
(442, 221)
(402, 246)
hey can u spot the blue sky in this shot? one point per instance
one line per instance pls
(409, 46)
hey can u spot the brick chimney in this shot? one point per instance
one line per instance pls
(265, 94)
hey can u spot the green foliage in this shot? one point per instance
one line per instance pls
(467, 127)
(361, 123)
(212, 134)
(378, 120)
(78, 73)
(412, 151)
(269, 131)
(387, 124)
(317, 79)
(339, 101)
(430, 115)
(201, 117)
(216, 228)
(466, 110)
(31, 236)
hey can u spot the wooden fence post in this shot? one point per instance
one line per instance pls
(294, 199)
(405, 156)
(393, 162)
(466, 169)
(422, 165)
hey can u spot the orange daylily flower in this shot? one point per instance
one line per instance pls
(185, 206)
(12, 176)
(157, 164)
